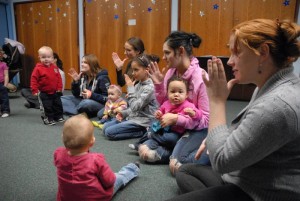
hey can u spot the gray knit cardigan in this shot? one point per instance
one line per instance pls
(260, 151)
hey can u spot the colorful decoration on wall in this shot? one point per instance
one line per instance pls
(153, 1)
(149, 9)
(131, 6)
(286, 3)
(58, 10)
(216, 6)
(116, 17)
(116, 6)
(201, 13)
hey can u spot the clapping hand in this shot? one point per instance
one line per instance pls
(155, 74)
(128, 81)
(158, 114)
(117, 61)
(73, 73)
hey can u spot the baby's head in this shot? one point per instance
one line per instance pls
(177, 90)
(46, 55)
(114, 92)
(78, 133)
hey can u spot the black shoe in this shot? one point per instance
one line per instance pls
(137, 163)
(28, 105)
(47, 122)
(60, 120)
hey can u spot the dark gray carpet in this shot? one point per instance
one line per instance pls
(26, 161)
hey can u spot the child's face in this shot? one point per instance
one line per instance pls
(177, 92)
(85, 67)
(113, 94)
(139, 73)
(46, 57)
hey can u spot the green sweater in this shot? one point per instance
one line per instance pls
(260, 151)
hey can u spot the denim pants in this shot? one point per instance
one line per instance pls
(4, 99)
(73, 105)
(187, 147)
(163, 144)
(116, 130)
(125, 175)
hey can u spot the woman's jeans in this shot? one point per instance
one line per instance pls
(116, 130)
(125, 175)
(73, 105)
(187, 147)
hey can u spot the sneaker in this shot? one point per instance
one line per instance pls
(5, 115)
(137, 163)
(60, 120)
(133, 147)
(97, 124)
(47, 122)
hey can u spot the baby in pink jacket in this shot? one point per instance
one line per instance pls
(159, 134)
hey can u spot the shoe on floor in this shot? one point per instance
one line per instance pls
(60, 120)
(4, 115)
(97, 124)
(47, 122)
(133, 147)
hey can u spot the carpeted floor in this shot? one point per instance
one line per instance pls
(26, 159)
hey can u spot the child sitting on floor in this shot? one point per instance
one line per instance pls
(114, 104)
(161, 137)
(83, 175)
(133, 122)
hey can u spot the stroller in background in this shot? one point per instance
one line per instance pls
(13, 51)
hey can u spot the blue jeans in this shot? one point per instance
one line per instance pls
(125, 175)
(116, 130)
(187, 147)
(4, 99)
(73, 105)
(100, 113)
(163, 144)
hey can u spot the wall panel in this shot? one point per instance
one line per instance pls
(107, 27)
(52, 23)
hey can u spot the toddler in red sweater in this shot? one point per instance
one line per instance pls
(82, 175)
(46, 83)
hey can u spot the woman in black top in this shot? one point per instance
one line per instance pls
(133, 47)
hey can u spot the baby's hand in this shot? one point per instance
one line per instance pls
(119, 117)
(115, 111)
(158, 114)
(190, 112)
(105, 116)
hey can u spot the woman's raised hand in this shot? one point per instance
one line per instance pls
(155, 74)
(117, 61)
(216, 84)
(73, 73)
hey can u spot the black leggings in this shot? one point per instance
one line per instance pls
(201, 183)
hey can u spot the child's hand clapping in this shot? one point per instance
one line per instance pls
(190, 112)
(128, 81)
(158, 114)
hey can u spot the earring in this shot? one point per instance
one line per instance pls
(259, 69)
